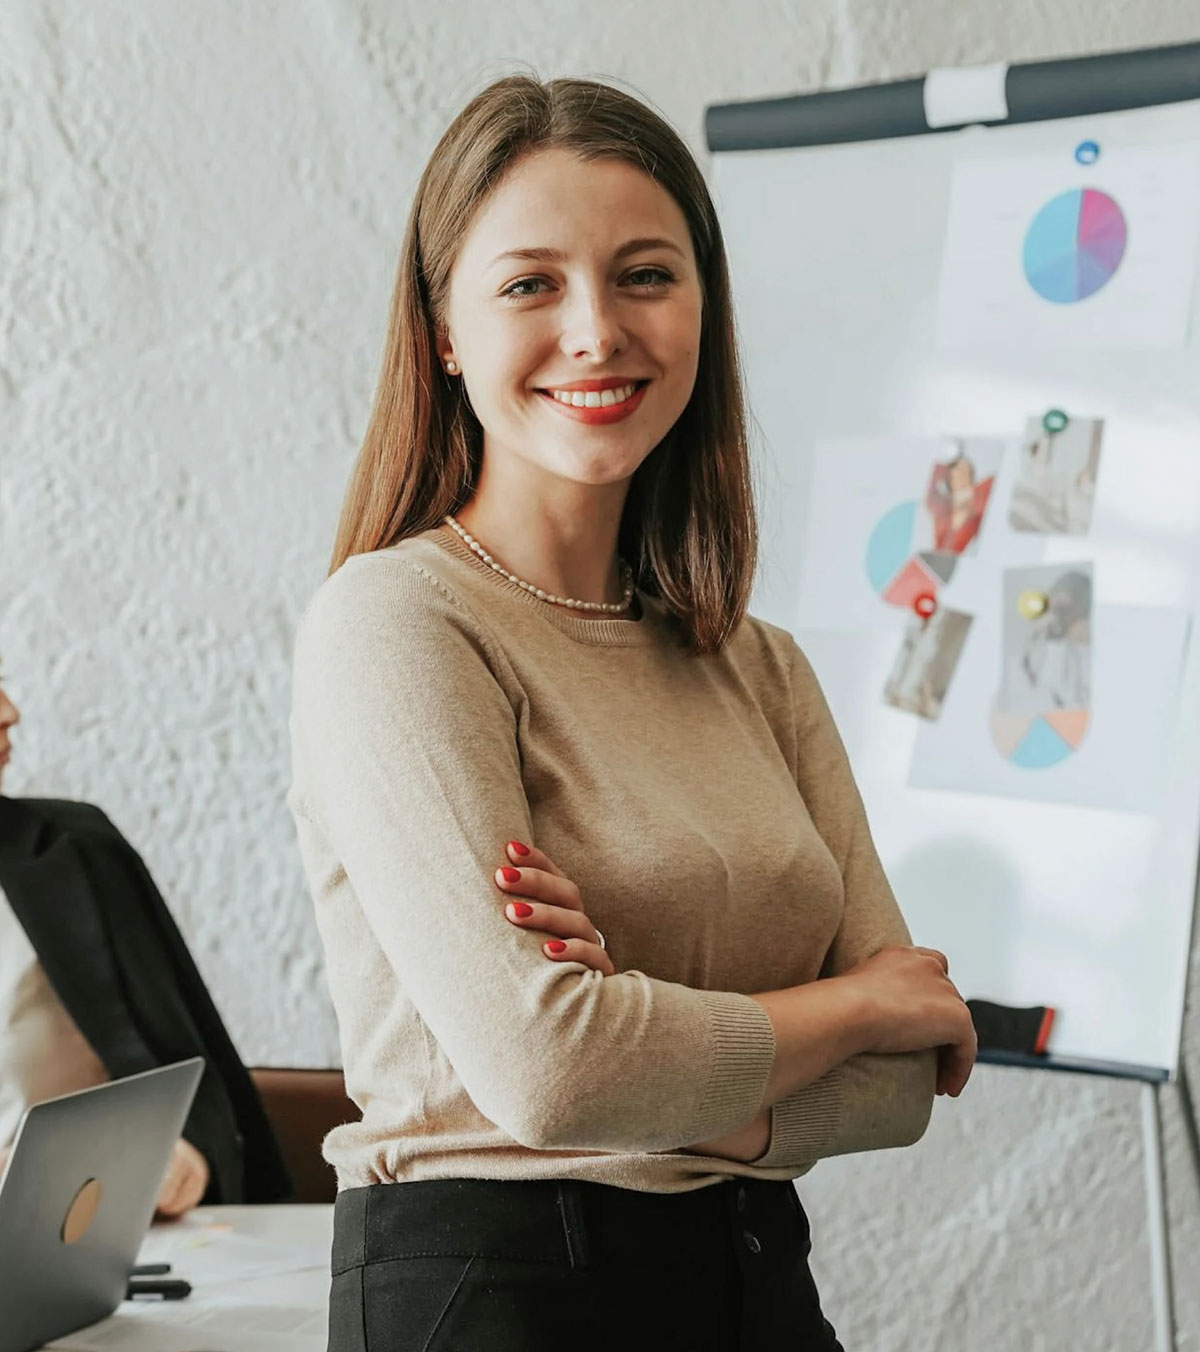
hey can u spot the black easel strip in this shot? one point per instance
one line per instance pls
(1078, 1065)
(1043, 90)
(1036, 91)
(830, 117)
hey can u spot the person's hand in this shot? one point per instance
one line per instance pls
(913, 1005)
(184, 1183)
(555, 907)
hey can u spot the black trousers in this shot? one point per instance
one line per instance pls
(481, 1265)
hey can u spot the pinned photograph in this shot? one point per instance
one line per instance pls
(1046, 662)
(957, 493)
(926, 663)
(1056, 478)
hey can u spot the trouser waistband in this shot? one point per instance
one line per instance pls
(532, 1220)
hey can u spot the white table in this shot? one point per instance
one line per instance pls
(260, 1283)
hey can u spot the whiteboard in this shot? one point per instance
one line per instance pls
(836, 256)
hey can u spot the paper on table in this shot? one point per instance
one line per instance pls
(199, 1325)
(200, 1252)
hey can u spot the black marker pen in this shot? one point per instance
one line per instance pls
(172, 1288)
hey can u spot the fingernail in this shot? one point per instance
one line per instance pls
(510, 875)
(517, 848)
(555, 945)
(520, 908)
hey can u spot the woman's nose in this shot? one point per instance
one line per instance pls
(9, 714)
(592, 326)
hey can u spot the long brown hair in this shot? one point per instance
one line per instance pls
(688, 526)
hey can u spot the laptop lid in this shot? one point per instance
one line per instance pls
(77, 1197)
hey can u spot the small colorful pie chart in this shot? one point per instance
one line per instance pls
(1038, 741)
(900, 576)
(1074, 245)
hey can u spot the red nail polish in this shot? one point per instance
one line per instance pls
(555, 945)
(511, 875)
(521, 908)
(517, 847)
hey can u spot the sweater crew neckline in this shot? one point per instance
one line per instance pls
(606, 632)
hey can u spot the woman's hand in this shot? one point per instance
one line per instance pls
(554, 907)
(912, 1005)
(184, 1183)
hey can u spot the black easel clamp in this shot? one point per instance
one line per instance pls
(1010, 1029)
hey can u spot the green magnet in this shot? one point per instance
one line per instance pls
(1054, 420)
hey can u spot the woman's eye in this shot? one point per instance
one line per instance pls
(648, 278)
(512, 288)
(653, 276)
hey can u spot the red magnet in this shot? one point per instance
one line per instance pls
(924, 603)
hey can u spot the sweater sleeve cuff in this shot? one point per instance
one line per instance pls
(743, 1042)
(805, 1124)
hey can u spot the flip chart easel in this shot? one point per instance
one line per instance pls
(834, 209)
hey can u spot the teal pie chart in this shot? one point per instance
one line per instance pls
(1074, 245)
(891, 544)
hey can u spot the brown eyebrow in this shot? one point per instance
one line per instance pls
(543, 254)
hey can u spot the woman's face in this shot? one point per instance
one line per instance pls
(575, 276)
(9, 718)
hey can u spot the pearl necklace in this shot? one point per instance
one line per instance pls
(610, 606)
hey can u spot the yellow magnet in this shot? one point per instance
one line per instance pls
(1032, 603)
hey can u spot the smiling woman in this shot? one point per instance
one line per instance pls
(534, 640)
(541, 262)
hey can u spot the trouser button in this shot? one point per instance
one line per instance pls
(751, 1242)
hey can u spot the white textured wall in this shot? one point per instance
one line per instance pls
(200, 206)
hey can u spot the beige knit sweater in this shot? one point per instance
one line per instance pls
(703, 805)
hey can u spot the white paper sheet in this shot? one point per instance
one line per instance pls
(205, 1253)
(869, 524)
(1137, 664)
(1044, 252)
(197, 1325)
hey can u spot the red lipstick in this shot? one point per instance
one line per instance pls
(600, 415)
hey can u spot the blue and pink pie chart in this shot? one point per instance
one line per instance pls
(1074, 245)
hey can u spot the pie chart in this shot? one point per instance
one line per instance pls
(898, 574)
(1038, 741)
(1074, 245)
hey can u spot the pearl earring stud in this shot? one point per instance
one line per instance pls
(451, 365)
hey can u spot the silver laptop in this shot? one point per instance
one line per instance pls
(77, 1197)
